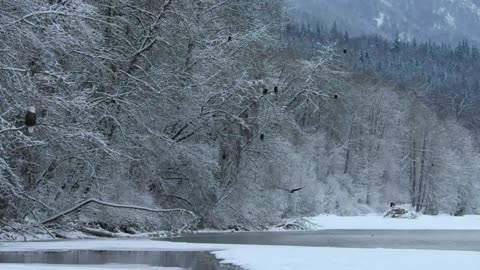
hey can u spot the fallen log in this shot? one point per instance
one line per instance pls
(133, 207)
(97, 233)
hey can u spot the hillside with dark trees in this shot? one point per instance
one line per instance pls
(447, 73)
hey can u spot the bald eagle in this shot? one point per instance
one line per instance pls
(291, 191)
(30, 119)
(33, 67)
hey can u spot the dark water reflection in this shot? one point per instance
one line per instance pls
(187, 260)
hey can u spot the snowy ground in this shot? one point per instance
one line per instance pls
(269, 257)
(377, 222)
(76, 267)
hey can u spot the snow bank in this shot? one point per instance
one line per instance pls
(307, 258)
(113, 245)
(77, 267)
(376, 222)
(273, 257)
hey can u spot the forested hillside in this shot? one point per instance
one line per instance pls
(448, 21)
(447, 76)
(218, 113)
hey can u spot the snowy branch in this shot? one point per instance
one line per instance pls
(122, 206)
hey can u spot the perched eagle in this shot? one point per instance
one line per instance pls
(33, 67)
(30, 119)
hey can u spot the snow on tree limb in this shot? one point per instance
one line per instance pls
(12, 129)
(132, 207)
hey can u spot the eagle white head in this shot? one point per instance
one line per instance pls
(32, 109)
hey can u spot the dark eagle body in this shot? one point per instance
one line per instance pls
(30, 119)
(295, 190)
(291, 191)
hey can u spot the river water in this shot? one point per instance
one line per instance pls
(185, 260)
(436, 240)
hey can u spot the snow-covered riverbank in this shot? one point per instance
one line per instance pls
(270, 257)
(77, 267)
(378, 222)
(254, 257)
(321, 222)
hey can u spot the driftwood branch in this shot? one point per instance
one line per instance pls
(133, 207)
(97, 233)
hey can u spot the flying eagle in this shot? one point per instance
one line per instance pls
(30, 119)
(291, 191)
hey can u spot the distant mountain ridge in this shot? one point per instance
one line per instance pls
(447, 21)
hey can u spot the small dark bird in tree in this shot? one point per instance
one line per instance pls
(33, 67)
(344, 51)
(335, 96)
(229, 38)
(265, 91)
(291, 191)
(30, 119)
(224, 156)
(275, 89)
(262, 137)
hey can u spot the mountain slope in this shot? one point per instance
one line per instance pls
(439, 20)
